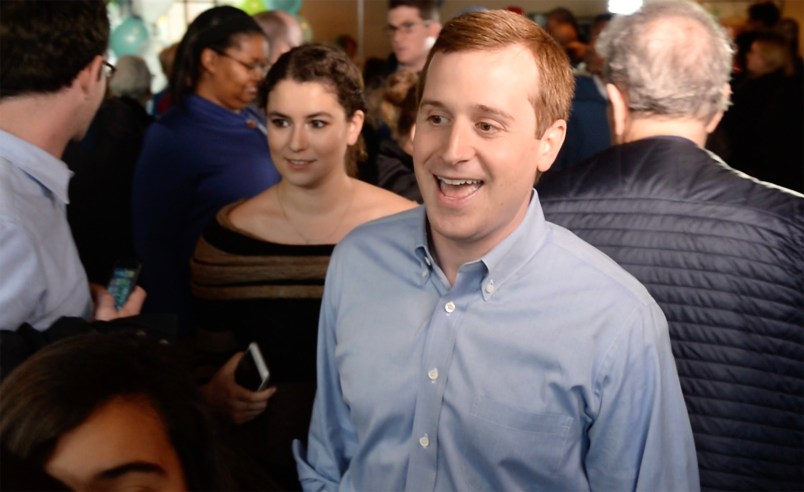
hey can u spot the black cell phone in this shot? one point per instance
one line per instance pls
(252, 372)
(123, 280)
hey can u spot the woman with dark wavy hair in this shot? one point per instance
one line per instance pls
(258, 270)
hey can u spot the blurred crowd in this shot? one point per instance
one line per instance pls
(233, 187)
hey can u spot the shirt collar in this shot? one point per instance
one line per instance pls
(42, 167)
(505, 259)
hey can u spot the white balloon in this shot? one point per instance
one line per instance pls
(150, 10)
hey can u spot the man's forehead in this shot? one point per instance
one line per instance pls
(495, 72)
(517, 55)
(404, 13)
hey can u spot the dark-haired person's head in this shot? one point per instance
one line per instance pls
(103, 411)
(769, 52)
(412, 28)
(329, 67)
(763, 15)
(428, 9)
(557, 19)
(222, 58)
(45, 44)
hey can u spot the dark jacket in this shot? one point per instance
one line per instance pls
(723, 255)
(395, 171)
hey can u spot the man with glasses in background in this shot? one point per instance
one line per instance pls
(49, 93)
(413, 26)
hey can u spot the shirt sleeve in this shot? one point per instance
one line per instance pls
(22, 283)
(332, 439)
(641, 438)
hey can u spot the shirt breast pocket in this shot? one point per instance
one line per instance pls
(504, 439)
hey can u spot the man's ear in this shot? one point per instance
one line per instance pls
(90, 75)
(550, 144)
(619, 112)
(712, 124)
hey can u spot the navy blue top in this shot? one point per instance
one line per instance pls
(196, 158)
(588, 129)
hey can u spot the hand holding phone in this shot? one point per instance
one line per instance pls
(252, 372)
(123, 280)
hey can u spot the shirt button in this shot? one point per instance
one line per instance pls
(424, 273)
(449, 307)
(424, 441)
(489, 288)
(432, 374)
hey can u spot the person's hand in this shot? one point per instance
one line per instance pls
(240, 404)
(104, 303)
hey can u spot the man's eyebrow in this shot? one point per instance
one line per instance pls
(493, 111)
(480, 108)
(133, 467)
(433, 103)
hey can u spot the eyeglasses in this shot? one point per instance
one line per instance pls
(108, 69)
(262, 68)
(404, 28)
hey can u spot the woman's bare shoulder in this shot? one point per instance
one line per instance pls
(379, 201)
(254, 215)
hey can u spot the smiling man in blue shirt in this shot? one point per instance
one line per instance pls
(468, 344)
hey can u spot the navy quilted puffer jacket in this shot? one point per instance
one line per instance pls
(723, 255)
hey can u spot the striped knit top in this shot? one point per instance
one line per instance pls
(246, 289)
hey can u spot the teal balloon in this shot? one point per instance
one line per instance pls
(129, 38)
(252, 7)
(289, 6)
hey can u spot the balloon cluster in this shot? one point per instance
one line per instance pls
(131, 36)
(251, 7)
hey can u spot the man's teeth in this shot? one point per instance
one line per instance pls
(459, 182)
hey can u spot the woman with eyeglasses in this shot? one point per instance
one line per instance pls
(208, 150)
(258, 270)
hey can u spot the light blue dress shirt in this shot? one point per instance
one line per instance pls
(41, 276)
(544, 367)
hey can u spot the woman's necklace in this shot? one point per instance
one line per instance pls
(322, 239)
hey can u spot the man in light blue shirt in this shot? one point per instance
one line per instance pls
(49, 93)
(471, 345)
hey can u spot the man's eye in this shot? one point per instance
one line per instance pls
(436, 119)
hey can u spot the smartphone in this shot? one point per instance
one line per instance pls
(252, 372)
(123, 280)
